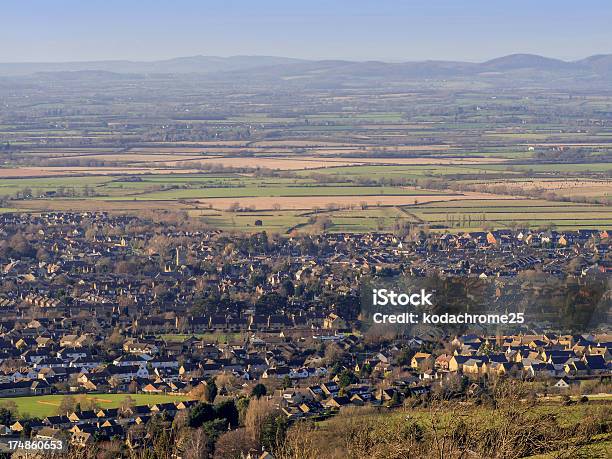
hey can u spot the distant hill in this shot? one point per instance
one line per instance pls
(601, 63)
(193, 64)
(513, 69)
(526, 61)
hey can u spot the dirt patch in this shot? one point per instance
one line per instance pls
(103, 400)
(43, 402)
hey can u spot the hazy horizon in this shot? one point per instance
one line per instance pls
(391, 31)
(373, 59)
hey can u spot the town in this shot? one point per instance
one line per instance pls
(104, 309)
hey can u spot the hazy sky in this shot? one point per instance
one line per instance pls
(76, 30)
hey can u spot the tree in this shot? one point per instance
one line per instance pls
(127, 405)
(21, 246)
(201, 413)
(210, 391)
(242, 405)
(287, 288)
(27, 428)
(322, 224)
(126, 267)
(8, 412)
(197, 445)
(227, 410)
(227, 381)
(67, 405)
(133, 387)
(259, 391)
(273, 431)
(301, 442)
(234, 444)
(158, 431)
(405, 356)
(287, 383)
(270, 303)
(257, 413)
(205, 391)
(333, 354)
(346, 378)
(396, 399)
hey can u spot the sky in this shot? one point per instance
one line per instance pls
(391, 30)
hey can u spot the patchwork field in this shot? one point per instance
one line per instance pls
(358, 159)
(365, 197)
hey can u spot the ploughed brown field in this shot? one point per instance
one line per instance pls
(564, 187)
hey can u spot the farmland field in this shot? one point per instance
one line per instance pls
(447, 157)
(520, 213)
(275, 202)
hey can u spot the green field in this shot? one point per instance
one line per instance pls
(559, 167)
(274, 191)
(272, 221)
(471, 215)
(408, 171)
(8, 187)
(46, 405)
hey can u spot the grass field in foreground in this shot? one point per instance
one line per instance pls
(46, 405)
(478, 420)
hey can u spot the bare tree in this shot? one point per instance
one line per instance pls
(257, 412)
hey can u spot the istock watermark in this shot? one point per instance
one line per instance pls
(383, 297)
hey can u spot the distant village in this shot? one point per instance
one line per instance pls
(97, 303)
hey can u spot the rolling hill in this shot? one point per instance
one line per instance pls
(514, 69)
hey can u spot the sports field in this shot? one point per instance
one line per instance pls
(46, 405)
